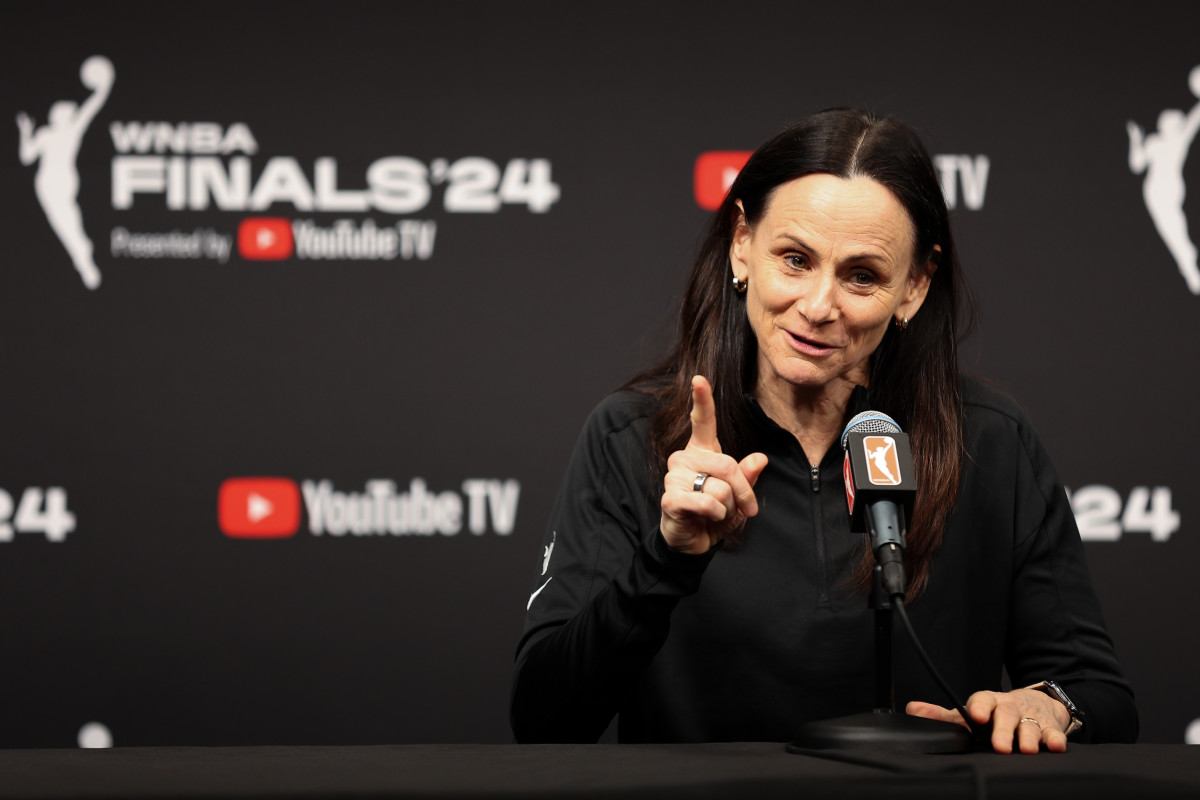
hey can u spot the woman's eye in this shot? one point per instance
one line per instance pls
(863, 279)
(796, 261)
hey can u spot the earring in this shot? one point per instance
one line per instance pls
(902, 324)
(740, 284)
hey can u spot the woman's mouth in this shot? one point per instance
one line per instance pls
(809, 346)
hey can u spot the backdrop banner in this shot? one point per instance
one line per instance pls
(303, 305)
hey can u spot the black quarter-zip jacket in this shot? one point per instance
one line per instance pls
(748, 642)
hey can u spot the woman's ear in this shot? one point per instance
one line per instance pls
(918, 285)
(739, 244)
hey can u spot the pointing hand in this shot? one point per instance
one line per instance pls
(695, 519)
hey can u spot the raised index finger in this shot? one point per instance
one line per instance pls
(704, 416)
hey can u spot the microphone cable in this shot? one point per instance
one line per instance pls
(977, 733)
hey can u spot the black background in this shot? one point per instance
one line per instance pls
(141, 397)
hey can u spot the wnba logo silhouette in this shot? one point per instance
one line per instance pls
(883, 465)
(55, 147)
(1161, 156)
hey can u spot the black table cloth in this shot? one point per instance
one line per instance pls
(732, 770)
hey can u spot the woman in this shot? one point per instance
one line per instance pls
(699, 578)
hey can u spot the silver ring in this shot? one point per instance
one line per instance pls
(698, 484)
(1031, 719)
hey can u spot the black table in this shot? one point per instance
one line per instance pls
(750, 770)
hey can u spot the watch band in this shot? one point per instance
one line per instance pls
(1054, 690)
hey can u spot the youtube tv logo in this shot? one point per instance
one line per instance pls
(265, 239)
(714, 174)
(259, 508)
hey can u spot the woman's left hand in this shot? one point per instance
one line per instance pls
(1029, 717)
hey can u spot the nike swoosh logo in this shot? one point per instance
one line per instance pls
(539, 591)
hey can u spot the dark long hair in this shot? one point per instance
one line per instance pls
(914, 373)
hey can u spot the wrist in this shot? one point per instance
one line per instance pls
(693, 547)
(1068, 717)
(679, 557)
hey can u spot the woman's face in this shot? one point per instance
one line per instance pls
(829, 266)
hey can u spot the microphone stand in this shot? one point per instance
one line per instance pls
(884, 728)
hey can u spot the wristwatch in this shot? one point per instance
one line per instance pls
(1054, 690)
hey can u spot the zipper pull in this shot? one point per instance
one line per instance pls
(815, 473)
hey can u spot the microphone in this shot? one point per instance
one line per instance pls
(880, 488)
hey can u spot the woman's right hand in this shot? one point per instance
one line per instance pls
(695, 521)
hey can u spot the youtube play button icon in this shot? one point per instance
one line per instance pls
(259, 508)
(265, 239)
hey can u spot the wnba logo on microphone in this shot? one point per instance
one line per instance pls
(883, 466)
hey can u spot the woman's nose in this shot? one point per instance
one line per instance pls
(818, 303)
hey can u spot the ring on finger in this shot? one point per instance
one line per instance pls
(698, 484)
(1031, 719)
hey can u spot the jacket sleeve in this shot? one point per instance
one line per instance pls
(605, 589)
(1056, 629)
